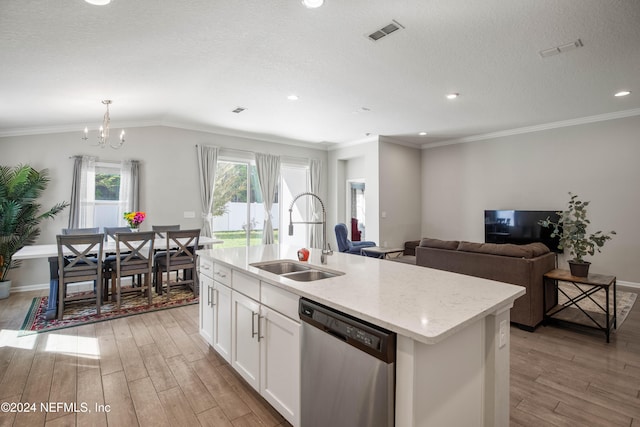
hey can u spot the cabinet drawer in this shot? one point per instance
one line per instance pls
(246, 285)
(280, 300)
(222, 274)
(206, 267)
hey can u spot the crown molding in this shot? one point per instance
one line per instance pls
(537, 128)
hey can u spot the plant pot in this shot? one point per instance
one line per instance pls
(134, 229)
(579, 269)
(5, 288)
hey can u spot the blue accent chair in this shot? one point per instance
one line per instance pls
(346, 245)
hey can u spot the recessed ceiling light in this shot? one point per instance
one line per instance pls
(623, 93)
(312, 4)
(98, 2)
(453, 95)
(422, 133)
(292, 97)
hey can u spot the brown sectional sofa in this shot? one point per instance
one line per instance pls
(521, 265)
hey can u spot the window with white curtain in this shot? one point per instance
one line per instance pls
(238, 209)
(105, 193)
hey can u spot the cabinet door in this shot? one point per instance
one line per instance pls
(245, 347)
(222, 320)
(280, 364)
(206, 308)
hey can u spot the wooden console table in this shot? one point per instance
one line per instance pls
(571, 311)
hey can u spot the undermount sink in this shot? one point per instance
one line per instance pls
(310, 275)
(281, 267)
(295, 270)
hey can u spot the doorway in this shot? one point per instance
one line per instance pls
(356, 212)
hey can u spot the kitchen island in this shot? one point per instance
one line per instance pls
(452, 361)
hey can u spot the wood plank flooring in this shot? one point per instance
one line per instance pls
(154, 369)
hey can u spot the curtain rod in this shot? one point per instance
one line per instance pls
(254, 152)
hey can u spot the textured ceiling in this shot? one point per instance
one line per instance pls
(190, 63)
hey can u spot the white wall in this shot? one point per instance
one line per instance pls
(597, 161)
(168, 176)
(400, 194)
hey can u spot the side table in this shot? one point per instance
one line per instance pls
(380, 252)
(602, 320)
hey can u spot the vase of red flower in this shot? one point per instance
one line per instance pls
(134, 219)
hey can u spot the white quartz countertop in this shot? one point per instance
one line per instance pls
(424, 304)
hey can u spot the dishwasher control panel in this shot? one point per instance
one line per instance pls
(370, 338)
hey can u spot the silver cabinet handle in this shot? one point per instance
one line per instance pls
(213, 297)
(220, 274)
(253, 324)
(209, 295)
(260, 328)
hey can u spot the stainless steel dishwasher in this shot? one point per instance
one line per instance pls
(348, 370)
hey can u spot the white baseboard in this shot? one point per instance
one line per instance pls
(77, 287)
(628, 284)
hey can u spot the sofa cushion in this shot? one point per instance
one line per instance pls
(539, 249)
(439, 244)
(505, 249)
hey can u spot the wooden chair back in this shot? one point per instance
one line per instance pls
(134, 253)
(92, 230)
(161, 228)
(111, 232)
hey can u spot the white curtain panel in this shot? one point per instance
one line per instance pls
(82, 192)
(268, 168)
(207, 165)
(315, 170)
(129, 188)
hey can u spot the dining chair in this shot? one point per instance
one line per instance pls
(79, 260)
(111, 232)
(181, 257)
(162, 228)
(134, 257)
(71, 231)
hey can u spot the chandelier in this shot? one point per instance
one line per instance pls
(103, 132)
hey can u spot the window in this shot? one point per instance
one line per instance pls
(107, 195)
(102, 192)
(238, 207)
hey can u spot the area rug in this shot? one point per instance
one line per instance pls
(78, 313)
(625, 301)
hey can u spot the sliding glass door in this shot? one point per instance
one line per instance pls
(238, 208)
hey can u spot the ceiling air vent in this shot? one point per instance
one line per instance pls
(238, 110)
(385, 31)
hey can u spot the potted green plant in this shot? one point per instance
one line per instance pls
(20, 187)
(571, 228)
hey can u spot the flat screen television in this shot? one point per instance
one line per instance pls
(519, 227)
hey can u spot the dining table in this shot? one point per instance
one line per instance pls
(50, 252)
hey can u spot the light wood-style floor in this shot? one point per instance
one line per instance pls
(154, 369)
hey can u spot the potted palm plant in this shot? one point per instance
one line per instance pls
(20, 188)
(571, 229)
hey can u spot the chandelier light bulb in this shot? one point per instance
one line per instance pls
(312, 4)
(98, 2)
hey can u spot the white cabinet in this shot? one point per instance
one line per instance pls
(221, 297)
(206, 308)
(215, 308)
(254, 326)
(245, 338)
(280, 364)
